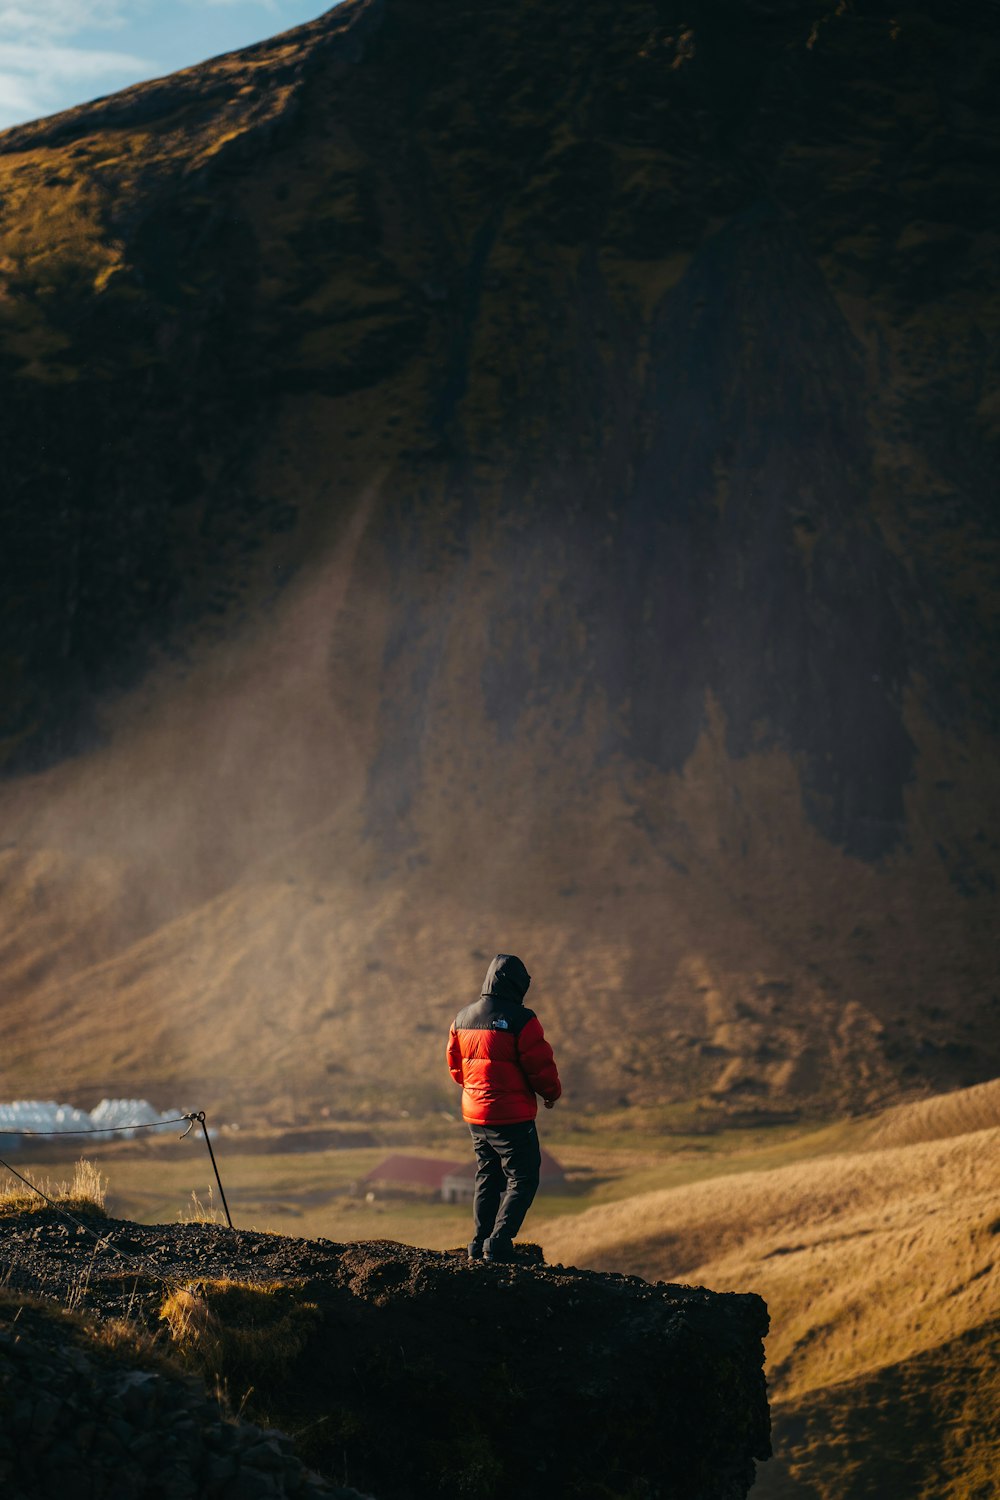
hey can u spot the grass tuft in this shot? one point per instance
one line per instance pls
(199, 1212)
(123, 1341)
(240, 1335)
(85, 1193)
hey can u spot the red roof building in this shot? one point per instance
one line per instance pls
(412, 1171)
(455, 1181)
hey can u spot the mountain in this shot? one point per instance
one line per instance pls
(496, 477)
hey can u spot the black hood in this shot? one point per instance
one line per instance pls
(507, 979)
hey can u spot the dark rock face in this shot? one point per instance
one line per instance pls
(792, 553)
(75, 1419)
(731, 525)
(426, 1374)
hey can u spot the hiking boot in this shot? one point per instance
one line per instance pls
(476, 1250)
(498, 1248)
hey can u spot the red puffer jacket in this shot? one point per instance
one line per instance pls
(498, 1053)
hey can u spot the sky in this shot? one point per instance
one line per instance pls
(56, 53)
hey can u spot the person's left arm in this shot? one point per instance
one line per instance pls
(537, 1060)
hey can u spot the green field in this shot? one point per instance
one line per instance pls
(322, 1193)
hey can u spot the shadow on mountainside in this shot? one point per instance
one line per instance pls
(923, 1427)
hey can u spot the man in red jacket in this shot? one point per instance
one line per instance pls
(498, 1053)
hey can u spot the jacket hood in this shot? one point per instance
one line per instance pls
(507, 979)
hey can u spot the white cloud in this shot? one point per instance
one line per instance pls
(38, 69)
(46, 20)
(17, 99)
(50, 56)
(34, 79)
(60, 63)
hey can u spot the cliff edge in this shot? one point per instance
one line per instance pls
(405, 1371)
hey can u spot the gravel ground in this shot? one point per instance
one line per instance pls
(591, 1379)
(114, 1267)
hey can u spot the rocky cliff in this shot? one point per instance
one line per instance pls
(494, 476)
(411, 1372)
(83, 1413)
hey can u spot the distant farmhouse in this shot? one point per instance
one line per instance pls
(454, 1181)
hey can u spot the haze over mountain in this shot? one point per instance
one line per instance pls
(514, 477)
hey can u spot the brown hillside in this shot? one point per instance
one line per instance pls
(924, 1428)
(937, 1118)
(494, 476)
(863, 1259)
(879, 1270)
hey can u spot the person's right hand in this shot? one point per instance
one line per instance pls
(549, 1103)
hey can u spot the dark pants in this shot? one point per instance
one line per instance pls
(508, 1161)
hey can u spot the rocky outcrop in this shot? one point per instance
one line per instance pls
(420, 1373)
(77, 1420)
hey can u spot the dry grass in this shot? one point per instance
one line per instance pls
(201, 1212)
(85, 1193)
(191, 1323)
(924, 1429)
(125, 1341)
(864, 1259)
(240, 1336)
(879, 1269)
(935, 1119)
(310, 924)
(131, 1342)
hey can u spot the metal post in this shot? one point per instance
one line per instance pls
(199, 1115)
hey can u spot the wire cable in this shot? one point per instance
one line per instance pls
(104, 1241)
(103, 1129)
(195, 1117)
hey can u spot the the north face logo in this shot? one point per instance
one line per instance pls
(500, 1023)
